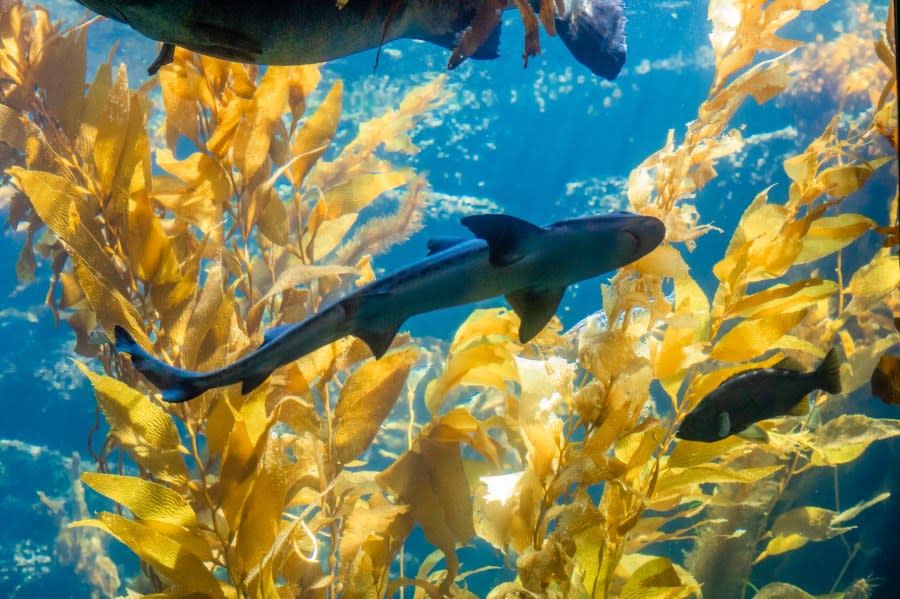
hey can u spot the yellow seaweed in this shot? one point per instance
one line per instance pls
(554, 452)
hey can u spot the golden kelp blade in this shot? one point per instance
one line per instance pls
(263, 495)
(886, 380)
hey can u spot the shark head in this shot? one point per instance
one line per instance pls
(612, 240)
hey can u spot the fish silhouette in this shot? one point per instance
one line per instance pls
(530, 265)
(290, 32)
(758, 394)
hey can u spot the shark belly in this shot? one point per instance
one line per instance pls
(278, 33)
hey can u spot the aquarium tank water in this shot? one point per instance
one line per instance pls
(292, 309)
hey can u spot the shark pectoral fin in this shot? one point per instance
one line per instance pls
(439, 244)
(754, 432)
(378, 340)
(505, 235)
(535, 309)
(724, 425)
(252, 382)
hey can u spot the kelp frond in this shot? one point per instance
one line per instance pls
(554, 452)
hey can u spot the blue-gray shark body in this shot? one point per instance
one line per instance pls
(530, 265)
(285, 32)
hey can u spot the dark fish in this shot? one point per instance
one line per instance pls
(758, 394)
(289, 32)
(531, 266)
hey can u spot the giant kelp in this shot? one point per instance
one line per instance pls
(197, 251)
(558, 455)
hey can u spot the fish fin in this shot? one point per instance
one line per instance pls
(535, 309)
(166, 56)
(174, 384)
(594, 33)
(829, 373)
(378, 340)
(754, 432)
(484, 24)
(488, 50)
(439, 244)
(724, 425)
(504, 235)
(801, 408)
(275, 332)
(252, 382)
(790, 364)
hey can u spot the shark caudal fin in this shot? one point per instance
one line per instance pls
(594, 32)
(174, 384)
(829, 373)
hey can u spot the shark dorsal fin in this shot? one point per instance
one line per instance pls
(535, 309)
(504, 235)
(439, 244)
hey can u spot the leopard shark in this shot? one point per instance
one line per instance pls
(290, 32)
(531, 266)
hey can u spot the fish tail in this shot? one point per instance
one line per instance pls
(829, 372)
(594, 32)
(174, 384)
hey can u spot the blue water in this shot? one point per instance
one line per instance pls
(525, 136)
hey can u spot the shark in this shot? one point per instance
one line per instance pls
(531, 266)
(290, 32)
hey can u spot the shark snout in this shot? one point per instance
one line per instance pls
(648, 232)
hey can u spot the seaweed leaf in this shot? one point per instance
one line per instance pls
(365, 401)
(146, 499)
(846, 437)
(795, 528)
(750, 338)
(483, 364)
(315, 137)
(830, 234)
(655, 579)
(430, 479)
(142, 427)
(254, 132)
(188, 573)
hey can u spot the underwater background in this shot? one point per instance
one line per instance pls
(544, 143)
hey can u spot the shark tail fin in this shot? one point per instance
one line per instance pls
(829, 372)
(594, 32)
(174, 384)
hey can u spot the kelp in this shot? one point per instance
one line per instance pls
(212, 204)
(198, 211)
